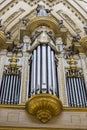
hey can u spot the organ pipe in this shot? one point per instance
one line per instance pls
(44, 74)
(49, 71)
(38, 69)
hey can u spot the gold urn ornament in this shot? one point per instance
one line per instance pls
(44, 106)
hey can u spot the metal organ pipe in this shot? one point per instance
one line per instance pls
(34, 71)
(68, 89)
(71, 94)
(13, 99)
(32, 76)
(44, 70)
(83, 91)
(79, 91)
(9, 87)
(53, 72)
(49, 71)
(38, 69)
(76, 102)
(5, 97)
(16, 89)
(3, 88)
(33, 80)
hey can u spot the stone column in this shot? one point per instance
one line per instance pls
(84, 66)
(24, 78)
(62, 82)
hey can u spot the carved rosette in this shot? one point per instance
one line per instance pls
(44, 106)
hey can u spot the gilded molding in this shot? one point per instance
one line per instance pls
(43, 21)
(49, 22)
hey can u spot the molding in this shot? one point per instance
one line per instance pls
(4, 106)
(22, 106)
(16, 128)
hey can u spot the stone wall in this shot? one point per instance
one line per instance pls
(18, 117)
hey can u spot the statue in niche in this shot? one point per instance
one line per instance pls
(41, 11)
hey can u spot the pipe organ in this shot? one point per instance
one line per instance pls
(76, 89)
(43, 77)
(44, 80)
(10, 85)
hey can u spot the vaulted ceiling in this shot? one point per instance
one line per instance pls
(72, 12)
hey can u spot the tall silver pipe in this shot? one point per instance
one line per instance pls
(53, 73)
(6, 87)
(12, 99)
(38, 69)
(7, 84)
(44, 70)
(83, 93)
(32, 76)
(11, 80)
(73, 92)
(16, 89)
(34, 82)
(70, 88)
(79, 91)
(28, 83)
(3, 89)
(19, 89)
(76, 92)
(49, 71)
